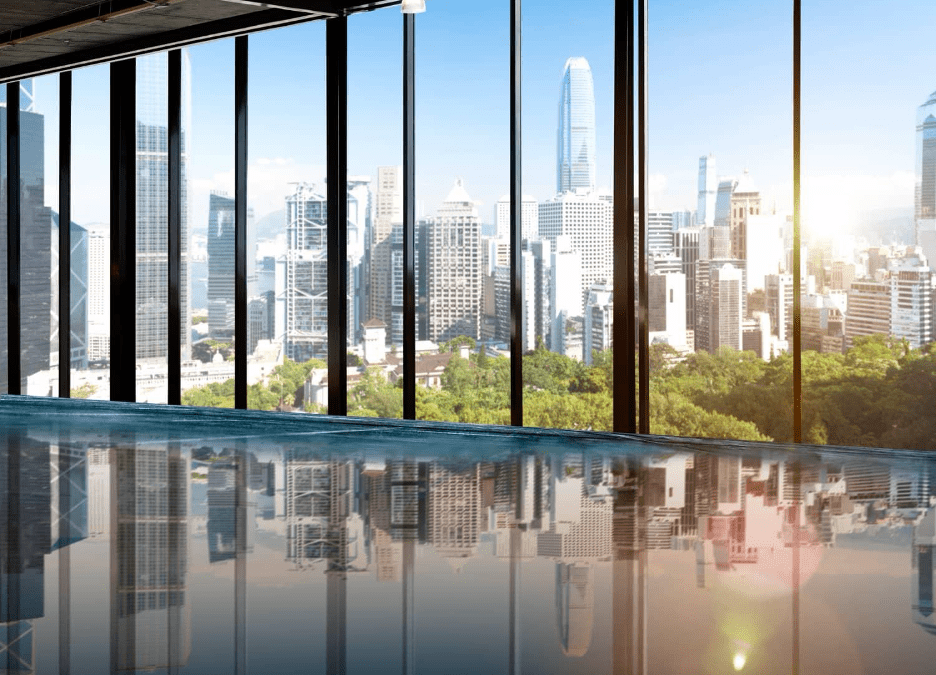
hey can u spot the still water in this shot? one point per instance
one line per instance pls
(140, 540)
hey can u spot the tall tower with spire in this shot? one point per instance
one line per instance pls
(575, 165)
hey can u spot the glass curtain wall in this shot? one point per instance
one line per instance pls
(375, 213)
(566, 216)
(91, 212)
(208, 161)
(287, 253)
(152, 199)
(720, 221)
(463, 118)
(869, 228)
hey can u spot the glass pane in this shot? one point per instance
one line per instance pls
(869, 230)
(208, 189)
(152, 199)
(463, 156)
(719, 227)
(567, 216)
(91, 211)
(38, 260)
(375, 222)
(287, 274)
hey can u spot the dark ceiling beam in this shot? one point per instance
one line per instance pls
(326, 8)
(181, 37)
(146, 44)
(100, 12)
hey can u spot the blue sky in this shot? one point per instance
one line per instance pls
(720, 81)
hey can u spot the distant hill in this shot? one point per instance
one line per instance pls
(271, 224)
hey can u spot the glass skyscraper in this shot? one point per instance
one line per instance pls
(575, 166)
(925, 186)
(152, 190)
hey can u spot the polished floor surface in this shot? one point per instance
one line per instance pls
(145, 539)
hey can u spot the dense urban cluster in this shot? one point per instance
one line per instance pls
(720, 286)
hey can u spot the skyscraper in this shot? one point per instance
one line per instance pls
(388, 212)
(708, 184)
(455, 268)
(35, 245)
(925, 186)
(306, 283)
(587, 221)
(152, 188)
(78, 299)
(529, 218)
(575, 165)
(220, 266)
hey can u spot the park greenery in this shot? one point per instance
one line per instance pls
(880, 393)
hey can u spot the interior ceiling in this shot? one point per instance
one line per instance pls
(44, 36)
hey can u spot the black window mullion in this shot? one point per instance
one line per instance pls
(409, 216)
(14, 345)
(123, 230)
(64, 234)
(516, 210)
(336, 38)
(797, 233)
(643, 204)
(240, 222)
(174, 320)
(624, 329)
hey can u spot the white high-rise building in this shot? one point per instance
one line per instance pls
(305, 286)
(764, 246)
(660, 232)
(667, 305)
(575, 163)
(529, 218)
(726, 311)
(599, 320)
(912, 295)
(779, 300)
(455, 268)
(587, 219)
(565, 291)
(98, 291)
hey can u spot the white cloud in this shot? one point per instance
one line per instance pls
(268, 183)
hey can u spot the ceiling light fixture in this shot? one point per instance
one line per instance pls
(413, 6)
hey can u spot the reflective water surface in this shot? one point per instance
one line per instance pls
(139, 541)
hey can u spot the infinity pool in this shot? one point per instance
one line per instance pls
(139, 538)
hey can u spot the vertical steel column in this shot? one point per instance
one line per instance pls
(409, 216)
(643, 203)
(516, 222)
(64, 236)
(624, 329)
(797, 342)
(797, 234)
(123, 230)
(336, 32)
(174, 320)
(240, 222)
(14, 190)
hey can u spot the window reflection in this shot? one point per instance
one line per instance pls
(590, 552)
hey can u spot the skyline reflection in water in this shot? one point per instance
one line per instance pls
(126, 553)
